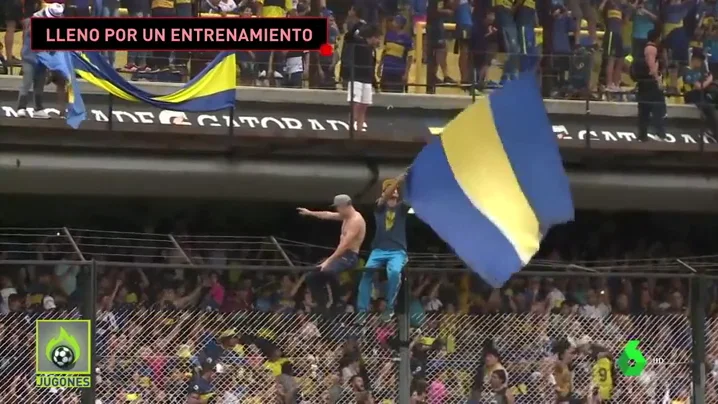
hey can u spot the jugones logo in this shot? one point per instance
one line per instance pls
(63, 350)
(63, 353)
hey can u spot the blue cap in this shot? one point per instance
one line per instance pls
(326, 13)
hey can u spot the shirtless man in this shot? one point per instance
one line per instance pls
(345, 256)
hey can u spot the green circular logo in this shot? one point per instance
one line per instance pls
(631, 362)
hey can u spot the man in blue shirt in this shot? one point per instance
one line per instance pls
(675, 37)
(396, 61)
(613, 50)
(464, 27)
(645, 16)
(34, 73)
(563, 25)
(201, 389)
(504, 10)
(696, 78)
(699, 88)
(388, 247)
(709, 34)
(527, 20)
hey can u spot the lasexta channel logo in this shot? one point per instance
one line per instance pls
(631, 362)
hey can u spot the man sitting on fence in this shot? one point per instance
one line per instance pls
(346, 255)
(388, 247)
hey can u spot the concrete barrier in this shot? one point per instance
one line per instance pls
(398, 101)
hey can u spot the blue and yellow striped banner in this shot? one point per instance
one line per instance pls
(493, 183)
(213, 89)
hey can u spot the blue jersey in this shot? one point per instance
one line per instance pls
(462, 15)
(390, 227)
(526, 13)
(693, 76)
(397, 45)
(27, 54)
(202, 387)
(418, 7)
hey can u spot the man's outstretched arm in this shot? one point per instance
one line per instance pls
(389, 191)
(325, 215)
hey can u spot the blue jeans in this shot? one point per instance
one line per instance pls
(318, 281)
(527, 46)
(137, 58)
(509, 35)
(182, 57)
(110, 12)
(394, 262)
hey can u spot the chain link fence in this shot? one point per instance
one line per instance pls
(155, 354)
(148, 351)
(17, 359)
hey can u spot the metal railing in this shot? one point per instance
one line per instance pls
(63, 244)
(690, 139)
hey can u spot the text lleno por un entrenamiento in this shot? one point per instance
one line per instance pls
(219, 34)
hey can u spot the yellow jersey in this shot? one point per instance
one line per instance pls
(603, 378)
(163, 4)
(275, 8)
(275, 366)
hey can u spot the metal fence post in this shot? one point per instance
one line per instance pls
(432, 14)
(88, 309)
(231, 122)
(698, 297)
(352, 52)
(702, 130)
(588, 117)
(110, 108)
(404, 340)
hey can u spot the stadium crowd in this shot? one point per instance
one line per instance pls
(233, 336)
(686, 30)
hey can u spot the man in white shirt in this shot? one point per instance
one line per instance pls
(294, 68)
(8, 289)
(593, 308)
(555, 297)
(67, 278)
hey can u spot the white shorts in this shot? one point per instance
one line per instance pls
(362, 92)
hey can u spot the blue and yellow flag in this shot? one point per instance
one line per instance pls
(61, 62)
(493, 183)
(211, 90)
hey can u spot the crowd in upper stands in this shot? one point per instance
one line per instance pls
(571, 33)
(164, 335)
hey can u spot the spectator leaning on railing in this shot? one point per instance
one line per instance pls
(361, 66)
(35, 74)
(397, 57)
